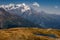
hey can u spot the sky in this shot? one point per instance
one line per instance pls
(50, 6)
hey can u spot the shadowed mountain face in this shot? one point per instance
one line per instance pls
(8, 20)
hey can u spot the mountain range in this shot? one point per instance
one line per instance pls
(30, 15)
(9, 20)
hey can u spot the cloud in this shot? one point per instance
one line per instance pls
(56, 6)
(36, 4)
(23, 4)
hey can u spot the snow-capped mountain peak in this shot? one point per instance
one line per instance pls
(25, 7)
(15, 6)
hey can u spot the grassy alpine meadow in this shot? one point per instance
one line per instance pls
(29, 34)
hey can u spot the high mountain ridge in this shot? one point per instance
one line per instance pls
(33, 14)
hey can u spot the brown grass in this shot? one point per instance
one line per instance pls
(28, 34)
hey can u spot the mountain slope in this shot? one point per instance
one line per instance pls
(8, 20)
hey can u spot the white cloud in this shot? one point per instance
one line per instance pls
(23, 4)
(36, 4)
(56, 6)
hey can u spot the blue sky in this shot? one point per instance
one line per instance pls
(51, 6)
(51, 2)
